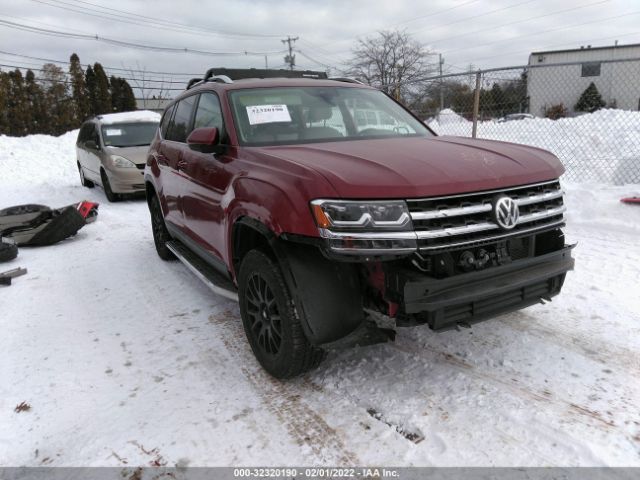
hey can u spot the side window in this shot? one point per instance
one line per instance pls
(179, 127)
(82, 136)
(165, 120)
(85, 133)
(209, 113)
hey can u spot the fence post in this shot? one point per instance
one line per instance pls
(476, 104)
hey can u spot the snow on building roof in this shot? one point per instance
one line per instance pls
(135, 116)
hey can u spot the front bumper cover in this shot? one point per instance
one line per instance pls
(469, 298)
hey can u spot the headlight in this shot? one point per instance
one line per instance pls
(121, 162)
(340, 215)
(365, 228)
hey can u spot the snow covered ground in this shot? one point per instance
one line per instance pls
(602, 146)
(127, 360)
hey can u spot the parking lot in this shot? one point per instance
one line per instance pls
(127, 360)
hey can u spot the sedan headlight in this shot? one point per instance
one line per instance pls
(365, 228)
(121, 162)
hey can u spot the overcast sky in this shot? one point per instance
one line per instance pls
(483, 33)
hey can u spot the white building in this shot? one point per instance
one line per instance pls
(614, 70)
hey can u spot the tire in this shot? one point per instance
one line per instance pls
(160, 233)
(65, 223)
(112, 197)
(83, 179)
(8, 251)
(270, 319)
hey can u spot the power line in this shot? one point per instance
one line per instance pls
(66, 74)
(106, 67)
(519, 21)
(123, 43)
(145, 21)
(476, 16)
(432, 14)
(566, 27)
(504, 54)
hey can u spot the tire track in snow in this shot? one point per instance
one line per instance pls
(285, 400)
(589, 346)
(513, 386)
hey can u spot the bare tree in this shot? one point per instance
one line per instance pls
(149, 89)
(391, 61)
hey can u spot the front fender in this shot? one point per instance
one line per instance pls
(278, 210)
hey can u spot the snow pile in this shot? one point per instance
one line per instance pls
(137, 116)
(38, 159)
(451, 119)
(602, 146)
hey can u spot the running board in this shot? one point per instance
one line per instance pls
(205, 272)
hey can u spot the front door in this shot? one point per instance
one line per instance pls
(209, 177)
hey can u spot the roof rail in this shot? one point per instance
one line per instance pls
(193, 82)
(230, 74)
(212, 76)
(346, 79)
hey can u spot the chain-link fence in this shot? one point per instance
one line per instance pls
(585, 113)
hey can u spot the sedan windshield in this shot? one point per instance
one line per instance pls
(282, 116)
(128, 134)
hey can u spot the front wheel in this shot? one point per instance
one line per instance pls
(83, 179)
(160, 233)
(112, 197)
(270, 320)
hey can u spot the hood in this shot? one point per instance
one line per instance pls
(420, 167)
(137, 155)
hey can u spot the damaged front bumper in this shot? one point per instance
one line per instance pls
(445, 303)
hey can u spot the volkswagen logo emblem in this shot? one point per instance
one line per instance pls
(506, 212)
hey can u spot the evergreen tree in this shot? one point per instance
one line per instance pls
(79, 91)
(102, 94)
(128, 99)
(58, 101)
(116, 94)
(122, 97)
(17, 105)
(590, 100)
(34, 97)
(4, 103)
(90, 83)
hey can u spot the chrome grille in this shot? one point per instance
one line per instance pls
(459, 220)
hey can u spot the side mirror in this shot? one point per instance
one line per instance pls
(205, 140)
(91, 144)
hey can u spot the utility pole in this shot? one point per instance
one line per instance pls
(440, 63)
(291, 58)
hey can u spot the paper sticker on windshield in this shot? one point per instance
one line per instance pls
(268, 114)
(113, 132)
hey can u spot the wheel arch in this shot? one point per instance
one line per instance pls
(327, 294)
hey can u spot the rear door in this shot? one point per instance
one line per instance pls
(171, 158)
(209, 176)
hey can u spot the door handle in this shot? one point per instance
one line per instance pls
(182, 164)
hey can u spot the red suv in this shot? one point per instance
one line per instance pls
(312, 201)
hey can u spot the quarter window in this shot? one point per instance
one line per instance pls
(165, 120)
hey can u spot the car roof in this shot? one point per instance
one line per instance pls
(136, 116)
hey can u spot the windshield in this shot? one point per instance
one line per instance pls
(128, 134)
(281, 116)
